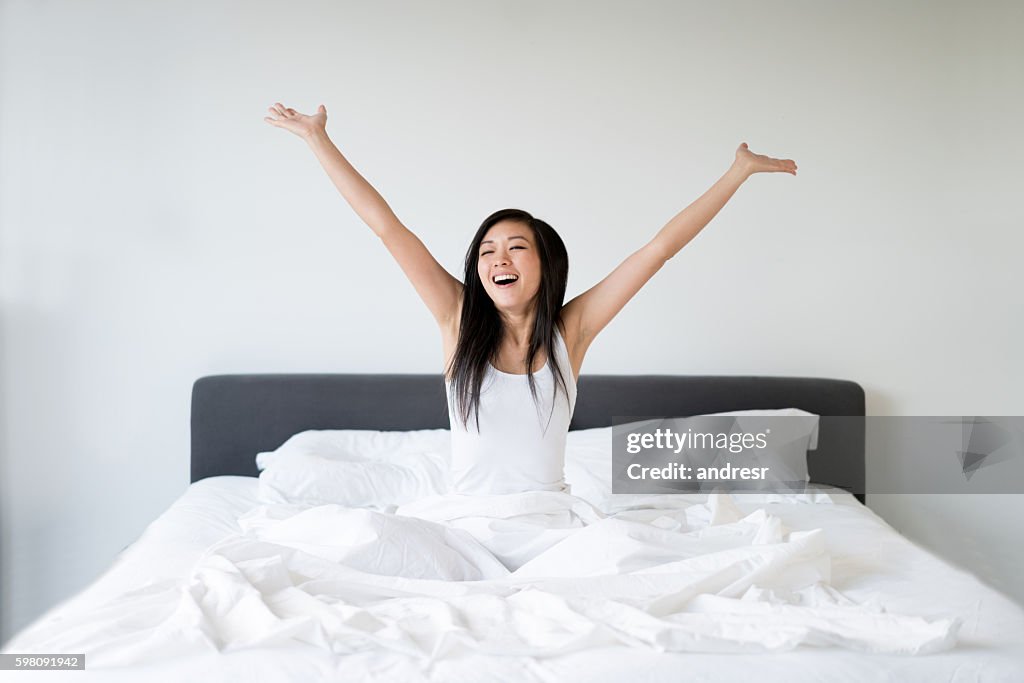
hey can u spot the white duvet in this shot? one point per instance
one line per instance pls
(529, 575)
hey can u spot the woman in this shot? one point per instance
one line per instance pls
(505, 330)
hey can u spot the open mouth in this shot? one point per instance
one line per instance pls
(505, 280)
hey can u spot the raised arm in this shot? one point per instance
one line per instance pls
(438, 289)
(592, 310)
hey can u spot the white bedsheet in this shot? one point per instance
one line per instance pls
(573, 596)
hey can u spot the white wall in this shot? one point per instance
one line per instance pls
(153, 229)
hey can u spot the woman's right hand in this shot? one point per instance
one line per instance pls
(302, 125)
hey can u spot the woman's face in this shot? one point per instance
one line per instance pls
(509, 248)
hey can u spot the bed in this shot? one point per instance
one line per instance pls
(133, 623)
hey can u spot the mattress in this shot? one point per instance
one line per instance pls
(870, 563)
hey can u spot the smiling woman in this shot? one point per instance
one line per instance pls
(509, 325)
(513, 350)
(516, 271)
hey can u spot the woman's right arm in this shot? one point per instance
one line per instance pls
(439, 290)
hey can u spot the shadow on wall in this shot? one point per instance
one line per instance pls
(40, 478)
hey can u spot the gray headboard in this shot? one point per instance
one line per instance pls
(236, 416)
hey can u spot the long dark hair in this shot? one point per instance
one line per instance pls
(481, 327)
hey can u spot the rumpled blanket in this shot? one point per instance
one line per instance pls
(532, 574)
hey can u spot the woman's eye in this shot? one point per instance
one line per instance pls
(485, 253)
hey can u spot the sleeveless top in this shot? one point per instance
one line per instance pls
(517, 448)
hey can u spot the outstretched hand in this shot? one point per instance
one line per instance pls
(302, 125)
(759, 163)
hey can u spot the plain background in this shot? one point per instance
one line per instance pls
(153, 229)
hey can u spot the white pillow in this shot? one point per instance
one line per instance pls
(356, 468)
(588, 459)
(362, 443)
(813, 445)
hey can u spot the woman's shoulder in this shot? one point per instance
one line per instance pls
(569, 342)
(568, 332)
(560, 326)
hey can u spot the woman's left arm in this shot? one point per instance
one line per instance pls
(592, 310)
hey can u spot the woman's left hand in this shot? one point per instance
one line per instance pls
(752, 163)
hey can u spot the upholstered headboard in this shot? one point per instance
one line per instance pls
(234, 417)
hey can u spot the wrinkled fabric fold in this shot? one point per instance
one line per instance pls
(537, 575)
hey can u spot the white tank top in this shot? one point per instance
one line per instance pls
(517, 448)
